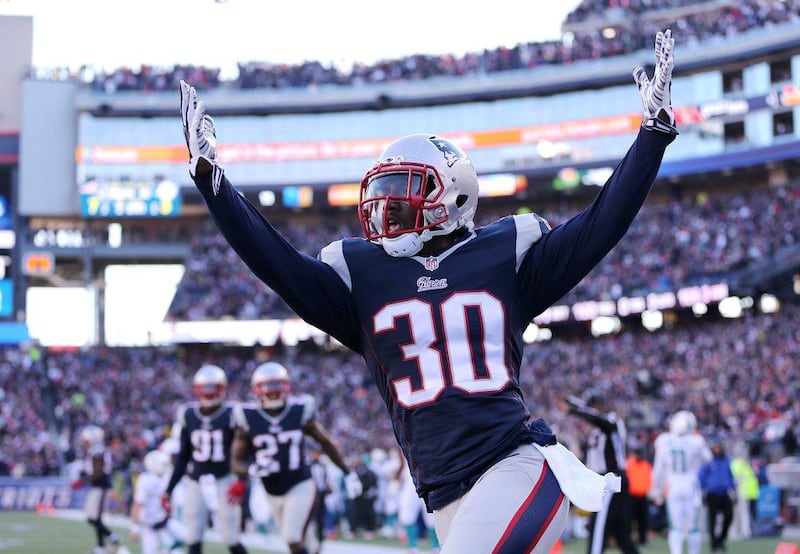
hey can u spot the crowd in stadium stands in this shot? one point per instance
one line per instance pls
(589, 10)
(696, 21)
(673, 244)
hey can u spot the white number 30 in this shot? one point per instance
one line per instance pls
(459, 346)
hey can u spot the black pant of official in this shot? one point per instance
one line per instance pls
(719, 504)
(640, 514)
(618, 523)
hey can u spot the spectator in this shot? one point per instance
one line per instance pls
(640, 480)
(718, 486)
(747, 490)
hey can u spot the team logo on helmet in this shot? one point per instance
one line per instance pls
(450, 151)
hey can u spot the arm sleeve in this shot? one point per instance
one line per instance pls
(309, 286)
(659, 466)
(731, 479)
(562, 257)
(606, 423)
(181, 461)
(140, 490)
(702, 476)
(239, 420)
(309, 410)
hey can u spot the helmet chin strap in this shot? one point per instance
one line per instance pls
(407, 244)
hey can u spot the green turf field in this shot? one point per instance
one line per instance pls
(32, 533)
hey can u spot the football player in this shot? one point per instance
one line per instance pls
(409, 508)
(206, 433)
(437, 308)
(272, 432)
(679, 454)
(149, 520)
(96, 474)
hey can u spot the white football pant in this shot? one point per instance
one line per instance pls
(515, 507)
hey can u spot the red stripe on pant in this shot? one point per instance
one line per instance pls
(533, 516)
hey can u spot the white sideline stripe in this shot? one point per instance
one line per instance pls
(253, 540)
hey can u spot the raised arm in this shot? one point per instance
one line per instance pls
(312, 288)
(605, 422)
(565, 255)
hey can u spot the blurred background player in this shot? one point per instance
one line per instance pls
(171, 446)
(149, 519)
(679, 453)
(362, 508)
(272, 432)
(96, 474)
(319, 473)
(410, 508)
(606, 452)
(206, 433)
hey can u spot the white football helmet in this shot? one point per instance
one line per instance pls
(682, 423)
(92, 435)
(434, 176)
(209, 385)
(170, 447)
(271, 384)
(156, 462)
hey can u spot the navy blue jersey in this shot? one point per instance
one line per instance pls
(277, 442)
(208, 438)
(98, 454)
(442, 336)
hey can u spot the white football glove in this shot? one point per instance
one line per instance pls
(200, 135)
(352, 485)
(656, 93)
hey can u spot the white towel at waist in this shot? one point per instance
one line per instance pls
(584, 487)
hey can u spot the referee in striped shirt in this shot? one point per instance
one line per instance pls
(606, 451)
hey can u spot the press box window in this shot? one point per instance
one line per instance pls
(783, 124)
(734, 132)
(732, 82)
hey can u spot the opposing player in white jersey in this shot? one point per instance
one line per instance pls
(409, 508)
(96, 473)
(679, 453)
(150, 521)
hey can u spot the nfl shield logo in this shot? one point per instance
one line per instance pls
(432, 263)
